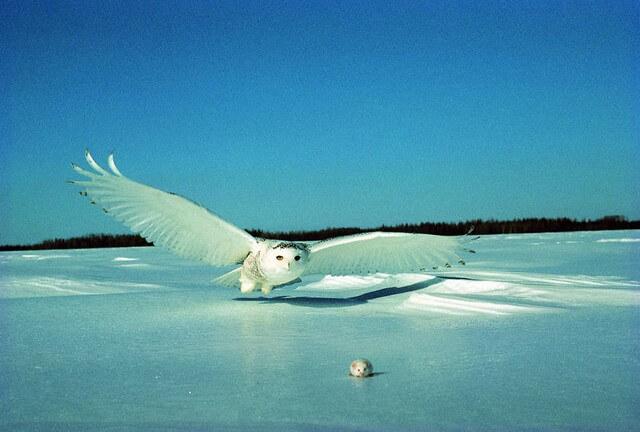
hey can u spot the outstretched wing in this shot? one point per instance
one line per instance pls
(166, 219)
(386, 252)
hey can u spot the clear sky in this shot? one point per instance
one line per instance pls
(302, 115)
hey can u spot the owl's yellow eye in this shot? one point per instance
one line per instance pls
(279, 257)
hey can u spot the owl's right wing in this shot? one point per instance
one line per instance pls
(166, 219)
(386, 252)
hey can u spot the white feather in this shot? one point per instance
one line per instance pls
(168, 220)
(94, 164)
(386, 252)
(112, 166)
(230, 279)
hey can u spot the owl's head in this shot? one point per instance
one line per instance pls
(285, 257)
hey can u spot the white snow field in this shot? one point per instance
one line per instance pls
(537, 332)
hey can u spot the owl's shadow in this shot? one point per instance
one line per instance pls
(324, 302)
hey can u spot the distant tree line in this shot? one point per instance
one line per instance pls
(479, 226)
(84, 242)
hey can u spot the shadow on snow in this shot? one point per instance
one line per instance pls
(320, 302)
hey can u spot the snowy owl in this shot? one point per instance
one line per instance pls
(192, 231)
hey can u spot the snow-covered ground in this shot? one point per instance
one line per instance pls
(538, 331)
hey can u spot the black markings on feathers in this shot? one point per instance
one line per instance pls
(292, 245)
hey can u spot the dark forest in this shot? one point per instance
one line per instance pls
(478, 226)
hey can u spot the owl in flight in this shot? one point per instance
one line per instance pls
(193, 232)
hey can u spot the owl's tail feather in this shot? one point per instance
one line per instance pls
(230, 279)
(468, 238)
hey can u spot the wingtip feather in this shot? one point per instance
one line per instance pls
(112, 165)
(91, 161)
(82, 171)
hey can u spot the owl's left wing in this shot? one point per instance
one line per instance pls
(386, 252)
(166, 219)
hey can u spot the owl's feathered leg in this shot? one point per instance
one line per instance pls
(266, 288)
(246, 285)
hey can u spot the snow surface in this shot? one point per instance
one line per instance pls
(538, 331)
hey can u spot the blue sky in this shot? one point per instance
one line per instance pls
(302, 115)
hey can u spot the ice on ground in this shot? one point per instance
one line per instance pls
(378, 281)
(618, 240)
(18, 287)
(453, 306)
(39, 257)
(525, 337)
